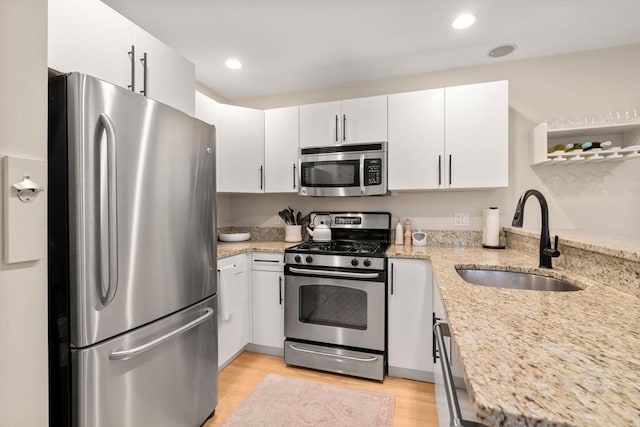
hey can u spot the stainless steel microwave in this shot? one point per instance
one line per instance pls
(343, 170)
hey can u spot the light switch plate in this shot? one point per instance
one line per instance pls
(25, 224)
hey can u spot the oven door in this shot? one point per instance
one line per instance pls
(357, 173)
(341, 311)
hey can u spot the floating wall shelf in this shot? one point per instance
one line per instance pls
(625, 140)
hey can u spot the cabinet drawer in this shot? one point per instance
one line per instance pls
(267, 262)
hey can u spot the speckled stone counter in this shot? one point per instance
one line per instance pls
(227, 249)
(540, 358)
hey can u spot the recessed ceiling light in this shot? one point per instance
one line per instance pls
(463, 21)
(503, 50)
(233, 64)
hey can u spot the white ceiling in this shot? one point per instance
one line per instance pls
(295, 45)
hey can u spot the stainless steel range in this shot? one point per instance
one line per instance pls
(335, 297)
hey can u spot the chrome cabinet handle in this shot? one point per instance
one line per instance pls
(439, 170)
(391, 278)
(294, 176)
(144, 74)
(335, 273)
(132, 352)
(320, 353)
(108, 260)
(261, 176)
(280, 288)
(132, 56)
(362, 187)
(336, 128)
(449, 169)
(344, 127)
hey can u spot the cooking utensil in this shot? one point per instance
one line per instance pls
(285, 215)
(298, 216)
(293, 216)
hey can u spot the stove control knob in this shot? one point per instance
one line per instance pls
(309, 259)
(367, 263)
(298, 258)
(354, 262)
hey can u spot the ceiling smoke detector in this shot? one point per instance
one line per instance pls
(502, 50)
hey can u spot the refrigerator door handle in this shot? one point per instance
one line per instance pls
(108, 258)
(133, 352)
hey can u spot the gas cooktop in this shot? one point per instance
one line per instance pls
(338, 247)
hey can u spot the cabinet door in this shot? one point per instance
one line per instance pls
(477, 135)
(281, 150)
(90, 37)
(170, 78)
(268, 308)
(234, 332)
(409, 310)
(364, 120)
(416, 140)
(207, 109)
(240, 150)
(320, 124)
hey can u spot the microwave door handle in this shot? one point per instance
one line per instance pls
(362, 173)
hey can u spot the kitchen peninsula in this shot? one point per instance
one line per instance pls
(543, 358)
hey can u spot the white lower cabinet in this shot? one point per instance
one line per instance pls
(267, 285)
(234, 308)
(410, 308)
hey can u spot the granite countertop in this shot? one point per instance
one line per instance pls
(227, 249)
(540, 358)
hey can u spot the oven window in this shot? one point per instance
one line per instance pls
(333, 306)
(339, 173)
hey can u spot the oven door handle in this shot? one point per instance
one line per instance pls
(362, 188)
(359, 359)
(335, 273)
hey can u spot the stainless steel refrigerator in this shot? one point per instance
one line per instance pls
(132, 259)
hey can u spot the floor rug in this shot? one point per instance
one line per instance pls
(283, 401)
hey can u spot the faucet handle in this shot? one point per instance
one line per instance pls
(553, 252)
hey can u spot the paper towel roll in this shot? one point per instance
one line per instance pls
(491, 227)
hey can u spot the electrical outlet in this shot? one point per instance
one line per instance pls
(461, 219)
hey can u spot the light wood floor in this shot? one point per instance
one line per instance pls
(415, 400)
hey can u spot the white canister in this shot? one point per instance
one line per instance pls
(292, 233)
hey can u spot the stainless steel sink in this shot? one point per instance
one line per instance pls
(515, 280)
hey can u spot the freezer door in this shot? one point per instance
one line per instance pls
(141, 209)
(163, 374)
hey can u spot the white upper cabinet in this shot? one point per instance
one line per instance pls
(240, 150)
(170, 78)
(207, 109)
(477, 135)
(456, 137)
(281, 150)
(416, 140)
(364, 120)
(320, 124)
(344, 122)
(89, 37)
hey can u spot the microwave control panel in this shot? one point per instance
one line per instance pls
(372, 171)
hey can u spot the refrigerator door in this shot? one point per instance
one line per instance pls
(141, 182)
(163, 374)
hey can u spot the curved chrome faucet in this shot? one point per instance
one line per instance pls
(546, 252)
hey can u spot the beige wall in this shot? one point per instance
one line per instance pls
(601, 197)
(23, 287)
